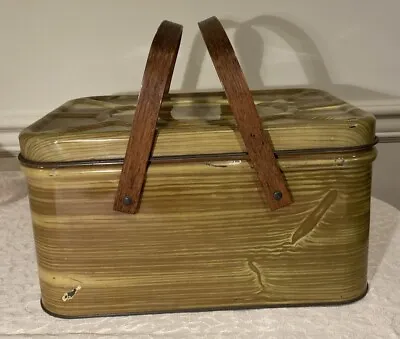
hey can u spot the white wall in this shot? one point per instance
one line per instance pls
(53, 50)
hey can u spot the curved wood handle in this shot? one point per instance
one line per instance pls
(155, 84)
(257, 141)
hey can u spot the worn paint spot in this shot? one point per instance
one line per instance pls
(223, 163)
(339, 161)
(312, 220)
(211, 164)
(69, 295)
(52, 173)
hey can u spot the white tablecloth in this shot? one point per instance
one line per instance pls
(375, 316)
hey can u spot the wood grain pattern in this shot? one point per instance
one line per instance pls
(195, 123)
(203, 238)
(155, 84)
(257, 141)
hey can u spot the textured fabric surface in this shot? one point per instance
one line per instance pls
(375, 316)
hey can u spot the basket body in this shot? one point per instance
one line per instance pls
(204, 238)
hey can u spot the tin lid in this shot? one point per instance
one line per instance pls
(97, 128)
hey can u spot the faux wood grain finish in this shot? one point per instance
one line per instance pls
(203, 239)
(257, 141)
(195, 123)
(155, 84)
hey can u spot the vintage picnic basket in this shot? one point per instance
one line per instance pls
(163, 202)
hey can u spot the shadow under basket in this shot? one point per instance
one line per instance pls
(206, 233)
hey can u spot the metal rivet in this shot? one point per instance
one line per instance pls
(127, 200)
(278, 195)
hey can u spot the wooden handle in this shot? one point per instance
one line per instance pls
(155, 84)
(257, 141)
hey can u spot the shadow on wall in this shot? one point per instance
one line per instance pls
(249, 46)
(8, 160)
(4, 153)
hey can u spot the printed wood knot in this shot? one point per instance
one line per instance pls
(313, 219)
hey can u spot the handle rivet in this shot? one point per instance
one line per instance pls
(127, 200)
(278, 195)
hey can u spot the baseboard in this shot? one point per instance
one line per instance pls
(388, 126)
(387, 113)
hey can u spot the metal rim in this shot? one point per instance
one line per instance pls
(169, 159)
